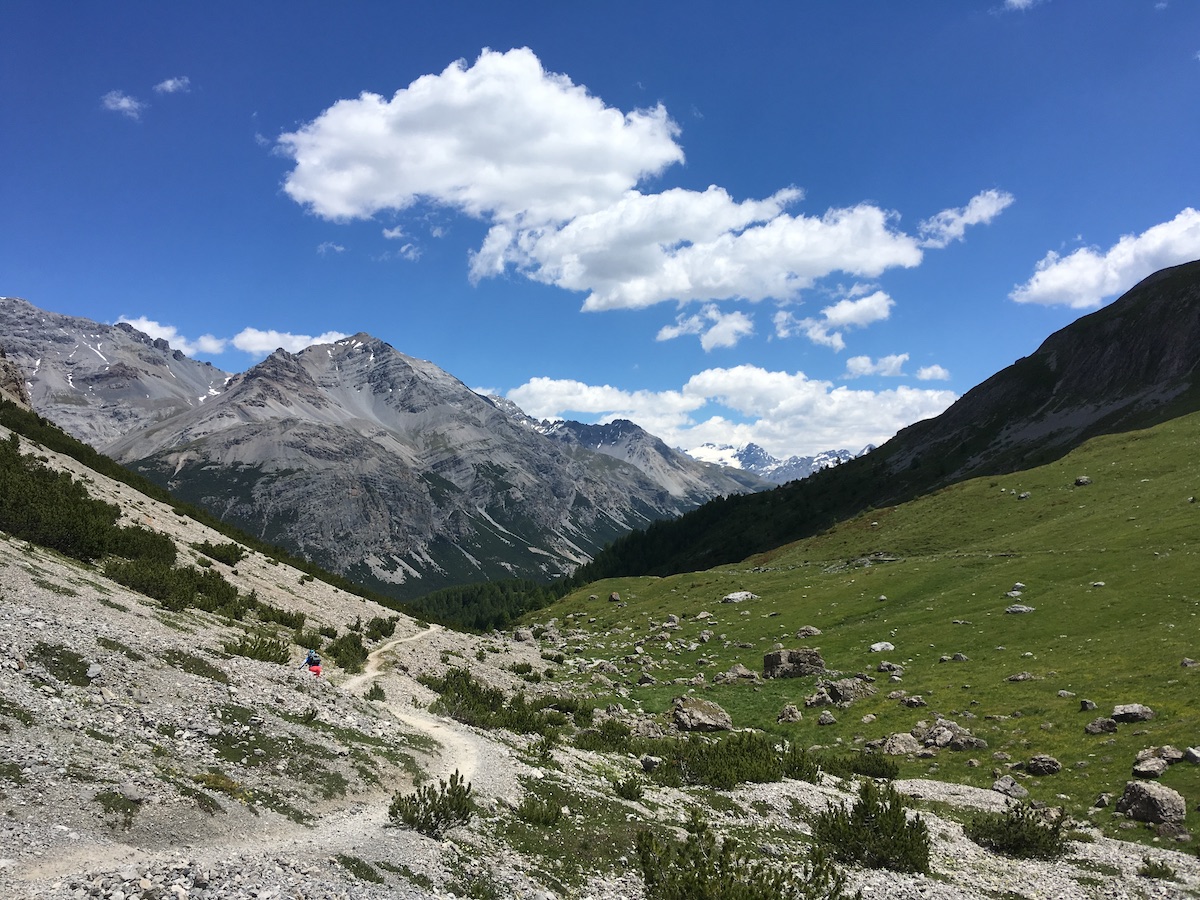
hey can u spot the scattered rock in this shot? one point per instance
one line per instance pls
(739, 597)
(796, 663)
(1082, 481)
(1102, 725)
(900, 744)
(1008, 786)
(790, 713)
(1086, 705)
(882, 647)
(1043, 765)
(1149, 801)
(1020, 676)
(1018, 609)
(1151, 767)
(614, 597)
(1132, 712)
(808, 631)
(826, 718)
(695, 714)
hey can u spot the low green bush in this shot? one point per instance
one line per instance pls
(472, 703)
(348, 651)
(875, 832)
(631, 788)
(375, 691)
(542, 813)
(230, 554)
(869, 765)
(434, 809)
(702, 869)
(610, 736)
(261, 648)
(1021, 831)
(721, 764)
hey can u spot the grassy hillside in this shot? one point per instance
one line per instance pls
(1111, 568)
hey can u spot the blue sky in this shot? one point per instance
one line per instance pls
(801, 224)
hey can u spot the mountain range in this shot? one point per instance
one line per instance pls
(373, 464)
(753, 458)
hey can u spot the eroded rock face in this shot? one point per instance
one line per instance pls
(792, 663)
(1149, 801)
(695, 714)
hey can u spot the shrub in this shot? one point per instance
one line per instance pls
(721, 764)
(434, 810)
(466, 700)
(631, 788)
(699, 868)
(610, 736)
(542, 813)
(875, 832)
(522, 668)
(231, 554)
(1021, 831)
(375, 691)
(379, 628)
(348, 651)
(261, 648)
(869, 765)
(801, 765)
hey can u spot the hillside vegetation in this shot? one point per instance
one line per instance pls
(1109, 568)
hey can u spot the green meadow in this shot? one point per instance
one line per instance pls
(1110, 568)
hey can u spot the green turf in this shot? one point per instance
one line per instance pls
(953, 556)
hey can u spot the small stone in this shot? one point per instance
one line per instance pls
(1086, 705)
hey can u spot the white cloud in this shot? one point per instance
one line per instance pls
(686, 245)
(951, 224)
(1088, 276)
(330, 247)
(261, 343)
(501, 139)
(1021, 4)
(206, 343)
(716, 329)
(859, 313)
(847, 313)
(555, 173)
(786, 413)
(179, 85)
(887, 366)
(120, 102)
(394, 234)
(932, 373)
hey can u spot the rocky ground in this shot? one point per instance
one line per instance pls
(140, 760)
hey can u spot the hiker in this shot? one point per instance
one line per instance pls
(312, 662)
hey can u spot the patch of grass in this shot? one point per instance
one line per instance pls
(359, 868)
(16, 711)
(117, 647)
(421, 881)
(478, 885)
(63, 663)
(116, 804)
(11, 772)
(99, 736)
(1157, 868)
(194, 665)
(55, 588)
